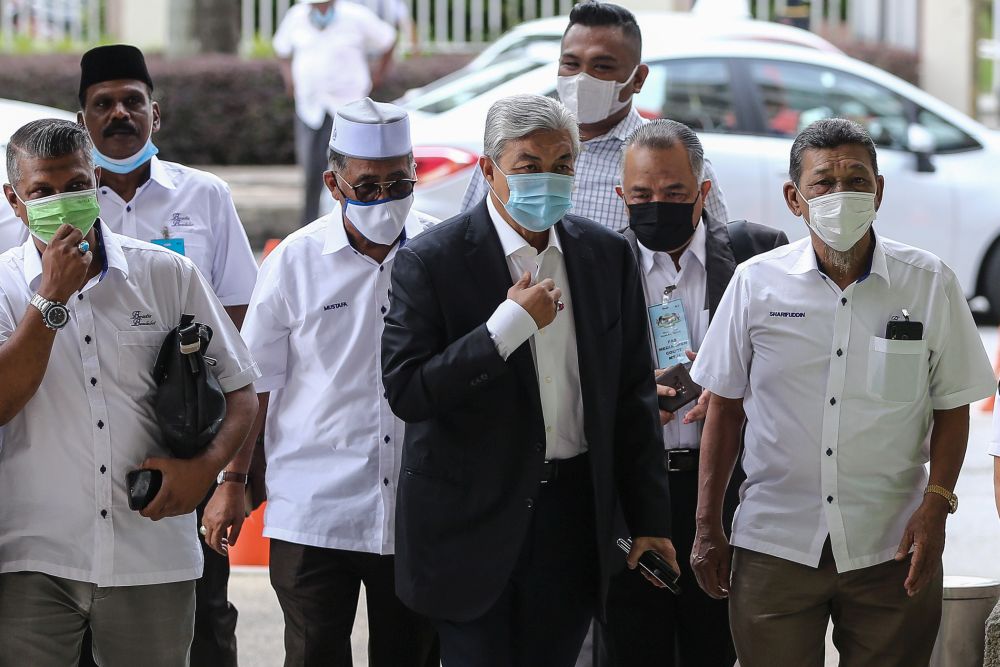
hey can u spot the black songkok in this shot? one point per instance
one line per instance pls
(111, 63)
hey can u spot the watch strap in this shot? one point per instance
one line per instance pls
(227, 476)
(43, 306)
(944, 493)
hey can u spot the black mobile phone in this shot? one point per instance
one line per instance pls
(655, 566)
(142, 485)
(680, 380)
(901, 329)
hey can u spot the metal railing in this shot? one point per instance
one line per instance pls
(59, 23)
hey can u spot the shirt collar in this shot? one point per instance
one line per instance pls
(694, 249)
(807, 262)
(511, 241)
(158, 173)
(113, 257)
(624, 128)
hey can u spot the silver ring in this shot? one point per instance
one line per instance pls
(203, 531)
(84, 247)
(559, 305)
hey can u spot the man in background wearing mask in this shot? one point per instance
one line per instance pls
(600, 71)
(332, 444)
(509, 355)
(83, 312)
(846, 350)
(323, 48)
(686, 259)
(192, 213)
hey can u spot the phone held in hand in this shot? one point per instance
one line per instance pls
(142, 485)
(655, 566)
(678, 378)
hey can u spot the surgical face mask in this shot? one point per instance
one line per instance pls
(129, 164)
(537, 201)
(592, 99)
(379, 221)
(663, 226)
(841, 219)
(47, 214)
(321, 18)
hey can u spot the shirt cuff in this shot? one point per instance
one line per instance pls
(994, 448)
(239, 380)
(509, 326)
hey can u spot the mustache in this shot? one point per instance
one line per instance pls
(120, 127)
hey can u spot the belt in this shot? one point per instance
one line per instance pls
(552, 469)
(681, 460)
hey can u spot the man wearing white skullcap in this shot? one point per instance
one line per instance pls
(332, 444)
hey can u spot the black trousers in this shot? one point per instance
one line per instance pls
(311, 154)
(542, 616)
(214, 643)
(318, 591)
(652, 627)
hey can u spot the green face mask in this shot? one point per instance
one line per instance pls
(46, 215)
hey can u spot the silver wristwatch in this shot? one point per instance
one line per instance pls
(54, 314)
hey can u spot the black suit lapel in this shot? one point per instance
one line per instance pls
(720, 263)
(488, 266)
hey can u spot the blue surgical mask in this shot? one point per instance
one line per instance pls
(322, 18)
(538, 201)
(129, 164)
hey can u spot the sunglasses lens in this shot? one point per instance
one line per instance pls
(366, 192)
(400, 189)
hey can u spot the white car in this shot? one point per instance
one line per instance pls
(747, 101)
(540, 39)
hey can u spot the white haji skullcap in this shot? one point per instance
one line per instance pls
(371, 130)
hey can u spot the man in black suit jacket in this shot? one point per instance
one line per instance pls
(515, 351)
(681, 249)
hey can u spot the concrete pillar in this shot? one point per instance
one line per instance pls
(144, 23)
(947, 51)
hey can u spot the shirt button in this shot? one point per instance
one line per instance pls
(548, 380)
(548, 429)
(128, 208)
(93, 382)
(829, 499)
(829, 452)
(843, 300)
(386, 481)
(383, 310)
(80, 297)
(387, 439)
(100, 424)
(104, 469)
(104, 192)
(104, 514)
(833, 401)
(381, 268)
(530, 503)
(840, 353)
(86, 339)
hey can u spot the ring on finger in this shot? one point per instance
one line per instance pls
(559, 305)
(203, 531)
(84, 247)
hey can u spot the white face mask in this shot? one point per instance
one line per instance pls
(380, 221)
(591, 99)
(841, 219)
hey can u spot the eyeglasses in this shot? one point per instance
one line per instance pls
(369, 192)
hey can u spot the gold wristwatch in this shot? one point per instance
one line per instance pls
(946, 494)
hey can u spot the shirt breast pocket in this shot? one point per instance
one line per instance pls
(897, 369)
(137, 352)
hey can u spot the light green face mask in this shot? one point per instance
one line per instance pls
(46, 215)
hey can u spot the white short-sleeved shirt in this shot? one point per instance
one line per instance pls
(994, 446)
(838, 416)
(330, 65)
(332, 443)
(64, 457)
(12, 231)
(179, 202)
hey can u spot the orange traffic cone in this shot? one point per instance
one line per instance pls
(987, 405)
(252, 548)
(270, 245)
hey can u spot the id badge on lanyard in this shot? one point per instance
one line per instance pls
(670, 330)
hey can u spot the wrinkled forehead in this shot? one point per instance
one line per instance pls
(52, 172)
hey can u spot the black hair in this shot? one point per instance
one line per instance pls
(829, 133)
(594, 14)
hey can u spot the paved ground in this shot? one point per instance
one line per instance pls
(973, 545)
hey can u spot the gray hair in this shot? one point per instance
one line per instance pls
(47, 138)
(518, 116)
(829, 133)
(338, 161)
(664, 133)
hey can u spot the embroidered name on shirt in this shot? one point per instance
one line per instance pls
(335, 306)
(785, 313)
(141, 319)
(179, 220)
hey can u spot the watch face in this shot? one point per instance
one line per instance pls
(57, 316)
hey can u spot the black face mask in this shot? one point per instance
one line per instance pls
(662, 226)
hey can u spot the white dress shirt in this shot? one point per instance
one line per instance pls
(659, 271)
(332, 443)
(178, 202)
(557, 365)
(994, 445)
(838, 416)
(330, 65)
(64, 457)
(598, 171)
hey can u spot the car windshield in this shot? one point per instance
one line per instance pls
(459, 92)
